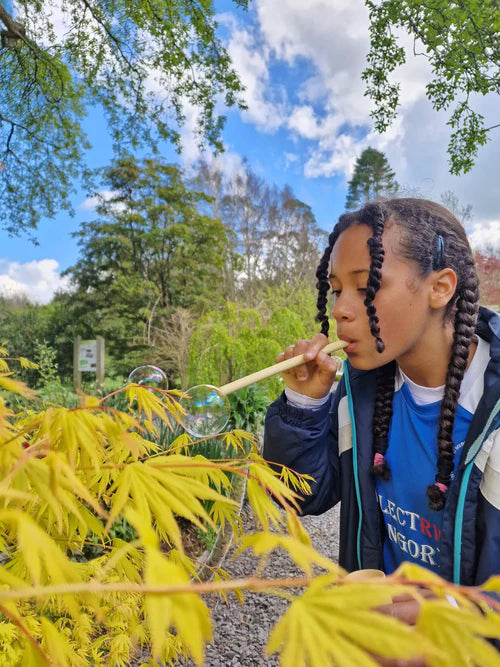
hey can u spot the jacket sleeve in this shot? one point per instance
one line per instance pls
(306, 441)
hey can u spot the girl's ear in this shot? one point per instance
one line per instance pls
(443, 287)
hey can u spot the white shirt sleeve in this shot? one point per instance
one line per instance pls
(297, 400)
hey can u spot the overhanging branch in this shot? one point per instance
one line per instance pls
(15, 31)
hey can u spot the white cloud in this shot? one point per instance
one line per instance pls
(250, 57)
(486, 235)
(37, 280)
(327, 108)
(90, 203)
(290, 158)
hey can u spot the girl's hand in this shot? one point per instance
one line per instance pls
(406, 609)
(315, 378)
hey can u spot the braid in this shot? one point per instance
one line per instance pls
(374, 277)
(382, 414)
(465, 322)
(323, 284)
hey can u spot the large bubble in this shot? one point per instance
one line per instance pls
(151, 376)
(207, 411)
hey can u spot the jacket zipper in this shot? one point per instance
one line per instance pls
(354, 462)
(459, 515)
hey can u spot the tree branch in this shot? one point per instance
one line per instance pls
(14, 29)
(111, 36)
(20, 625)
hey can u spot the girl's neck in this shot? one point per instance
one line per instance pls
(427, 364)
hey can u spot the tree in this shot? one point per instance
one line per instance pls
(275, 236)
(460, 41)
(245, 211)
(372, 179)
(235, 341)
(488, 270)
(139, 64)
(148, 252)
(170, 340)
(293, 241)
(210, 179)
(463, 213)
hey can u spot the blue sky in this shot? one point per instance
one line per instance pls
(306, 123)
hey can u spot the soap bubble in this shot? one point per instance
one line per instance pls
(207, 411)
(151, 376)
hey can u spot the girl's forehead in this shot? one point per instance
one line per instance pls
(351, 251)
(351, 247)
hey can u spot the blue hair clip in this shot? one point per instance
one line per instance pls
(438, 261)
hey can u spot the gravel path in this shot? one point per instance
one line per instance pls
(241, 630)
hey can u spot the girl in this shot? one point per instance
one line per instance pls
(410, 440)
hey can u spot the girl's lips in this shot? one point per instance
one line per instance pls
(351, 347)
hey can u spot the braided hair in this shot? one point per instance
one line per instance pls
(433, 239)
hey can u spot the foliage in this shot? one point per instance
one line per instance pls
(488, 270)
(24, 326)
(27, 325)
(299, 299)
(170, 341)
(460, 41)
(372, 179)
(237, 341)
(149, 252)
(275, 234)
(45, 359)
(140, 66)
(62, 470)
(248, 408)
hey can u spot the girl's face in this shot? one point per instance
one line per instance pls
(402, 302)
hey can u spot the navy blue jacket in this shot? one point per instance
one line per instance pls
(334, 445)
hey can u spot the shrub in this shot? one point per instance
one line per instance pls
(77, 477)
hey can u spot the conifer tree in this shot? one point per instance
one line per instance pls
(372, 179)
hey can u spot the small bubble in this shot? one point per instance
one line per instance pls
(151, 376)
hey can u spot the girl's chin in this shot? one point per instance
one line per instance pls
(362, 363)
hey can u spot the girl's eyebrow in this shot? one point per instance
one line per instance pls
(351, 273)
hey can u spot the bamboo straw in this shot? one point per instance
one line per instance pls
(276, 368)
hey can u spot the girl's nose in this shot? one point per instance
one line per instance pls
(342, 309)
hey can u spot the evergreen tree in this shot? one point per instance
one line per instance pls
(372, 179)
(149, 252)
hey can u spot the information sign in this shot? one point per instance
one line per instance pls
(87, 357)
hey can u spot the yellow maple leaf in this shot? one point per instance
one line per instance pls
(334, 624)
(302, 554)
(186, 612)
(15, 386)
(440, 621)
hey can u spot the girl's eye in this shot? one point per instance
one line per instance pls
(335, 295)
